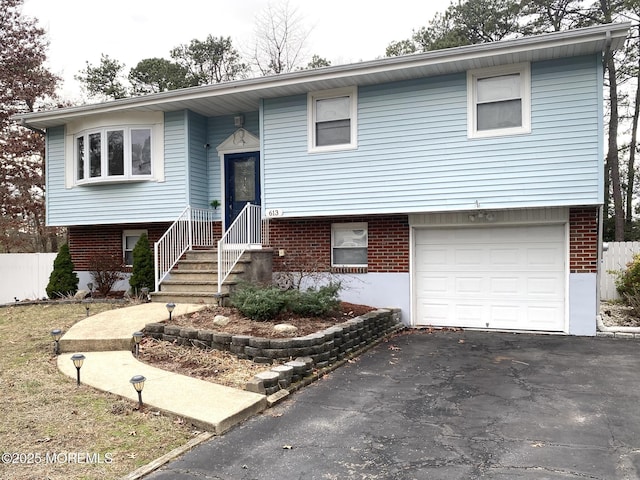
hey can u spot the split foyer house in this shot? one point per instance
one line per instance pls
(463, 185)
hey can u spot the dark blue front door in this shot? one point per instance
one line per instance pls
(242, 183)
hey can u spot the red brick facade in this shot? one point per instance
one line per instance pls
(583, 240)
(88, 242)
(307, 243)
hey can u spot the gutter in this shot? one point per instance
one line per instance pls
(24, 123)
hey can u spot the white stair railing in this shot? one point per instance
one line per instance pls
(193, 228)
(245, 232)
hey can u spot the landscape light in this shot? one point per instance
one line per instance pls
(137, 338)
(138, 383)
(56, 333)
(170, 307)
(78, 360)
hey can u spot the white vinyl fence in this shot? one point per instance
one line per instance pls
(24, 275)
(615, 258)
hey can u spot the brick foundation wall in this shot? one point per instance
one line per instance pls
(583, 240)
(307, 244)
(87, 242)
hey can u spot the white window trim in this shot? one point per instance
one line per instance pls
(128, 176)
(352, 93)
(349, 226)
(524, 69)
(131, 119)
(129, 233)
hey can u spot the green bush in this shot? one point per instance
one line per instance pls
(314, 303)
(266, 303)
(628, 281)
(63, 281)
(259, 303)
(142, 273)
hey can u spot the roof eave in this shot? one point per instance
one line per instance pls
(612, 34)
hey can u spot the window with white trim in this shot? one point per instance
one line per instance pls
(349, 244)
(332, 119)
(129, 240)
(499, 101)
(113, 154)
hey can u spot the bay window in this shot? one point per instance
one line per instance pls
(112, 154)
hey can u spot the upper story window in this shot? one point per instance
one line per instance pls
(499, 101)
(113, 154)
(332, 119)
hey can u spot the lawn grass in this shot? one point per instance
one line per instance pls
(46, 416)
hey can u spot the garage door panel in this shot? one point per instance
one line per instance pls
(435, 285)
(544, 256)
(468, 285)
(545, 286)
(505, 286)
(506, 277)
(468, 256)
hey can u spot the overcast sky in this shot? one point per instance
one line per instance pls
(342, 31)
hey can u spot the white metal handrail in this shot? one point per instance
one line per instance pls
(193, 228)
(245, 232)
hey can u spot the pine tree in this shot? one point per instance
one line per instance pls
(143, 270)
(63, 280)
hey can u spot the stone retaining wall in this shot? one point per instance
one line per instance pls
(323, 348)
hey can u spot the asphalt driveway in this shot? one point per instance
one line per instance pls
(447, 405)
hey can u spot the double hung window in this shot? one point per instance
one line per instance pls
(349, 244)
(499, 101)
(332, 120)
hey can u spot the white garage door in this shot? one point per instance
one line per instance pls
(493, 277)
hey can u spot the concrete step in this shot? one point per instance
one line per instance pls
(201, 276)
(187, 286)
(185, 297)
(111, 330)
(185, 264)
(201, 255)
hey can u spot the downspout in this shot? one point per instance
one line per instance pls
(599, 260)
(600, 251)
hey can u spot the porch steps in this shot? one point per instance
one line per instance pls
(195, 280)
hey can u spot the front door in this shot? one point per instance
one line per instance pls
(242, 183)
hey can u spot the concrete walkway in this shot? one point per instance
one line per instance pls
(105, 340)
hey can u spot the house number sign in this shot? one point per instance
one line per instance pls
(274, 212)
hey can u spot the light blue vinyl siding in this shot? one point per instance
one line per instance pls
(414, 155)
(124, 202)
(198, 164)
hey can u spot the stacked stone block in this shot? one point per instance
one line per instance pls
(323, 348)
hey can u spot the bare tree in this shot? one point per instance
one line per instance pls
(25, 86)
(280, 39)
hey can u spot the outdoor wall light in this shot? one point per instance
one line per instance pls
(56, 333)
(78, 360)
(137, 338)
(138, 383)
(170, 307)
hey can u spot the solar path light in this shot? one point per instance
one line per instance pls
(56, 333)
(170, 307)
(138, 383)
(78, 360)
